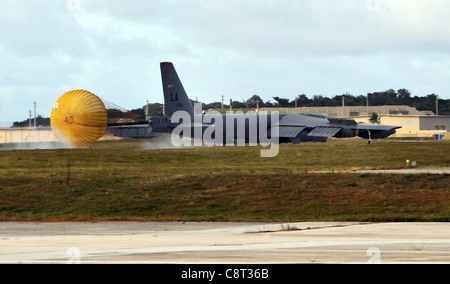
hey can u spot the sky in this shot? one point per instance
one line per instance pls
(234, 48)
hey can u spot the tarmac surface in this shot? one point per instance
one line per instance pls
(407, 171)
(224, 243)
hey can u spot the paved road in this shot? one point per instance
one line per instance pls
(160, 242)
(397, 171)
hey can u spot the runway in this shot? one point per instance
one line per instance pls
(224, 243)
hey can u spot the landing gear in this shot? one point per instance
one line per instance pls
(370, 138)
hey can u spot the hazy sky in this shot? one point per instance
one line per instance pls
(235, 48)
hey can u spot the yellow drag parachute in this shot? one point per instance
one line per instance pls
(79, 118)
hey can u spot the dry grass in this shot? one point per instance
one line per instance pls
(119, 181)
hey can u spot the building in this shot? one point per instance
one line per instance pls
(36, 135)
(414, 125)
(26, 135)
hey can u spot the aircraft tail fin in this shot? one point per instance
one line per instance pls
(175, 97)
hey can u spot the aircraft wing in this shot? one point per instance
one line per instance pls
(369, 130)
(375, 127)
(290, 131)
(298, 128)
(324, 131)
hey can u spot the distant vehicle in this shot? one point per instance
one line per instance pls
(291, 128)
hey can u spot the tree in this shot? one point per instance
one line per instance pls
(40, 121)
(236, 104)
(303, 101)
(214, 105)
(404, 96)
(282, 102)
(254, 101)
(374, 118)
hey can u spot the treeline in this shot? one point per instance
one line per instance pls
(389, 97)
(40, 122)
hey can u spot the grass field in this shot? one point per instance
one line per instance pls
(119, 181)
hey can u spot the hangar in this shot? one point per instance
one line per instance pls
(415, 125)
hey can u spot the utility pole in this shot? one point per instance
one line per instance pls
(437, 104)
(147, 112)
(223, 100)
(34, 114)
(231, 105)
(343, 106)
(29, 124)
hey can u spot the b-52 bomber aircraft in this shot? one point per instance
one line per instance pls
(180, 119)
